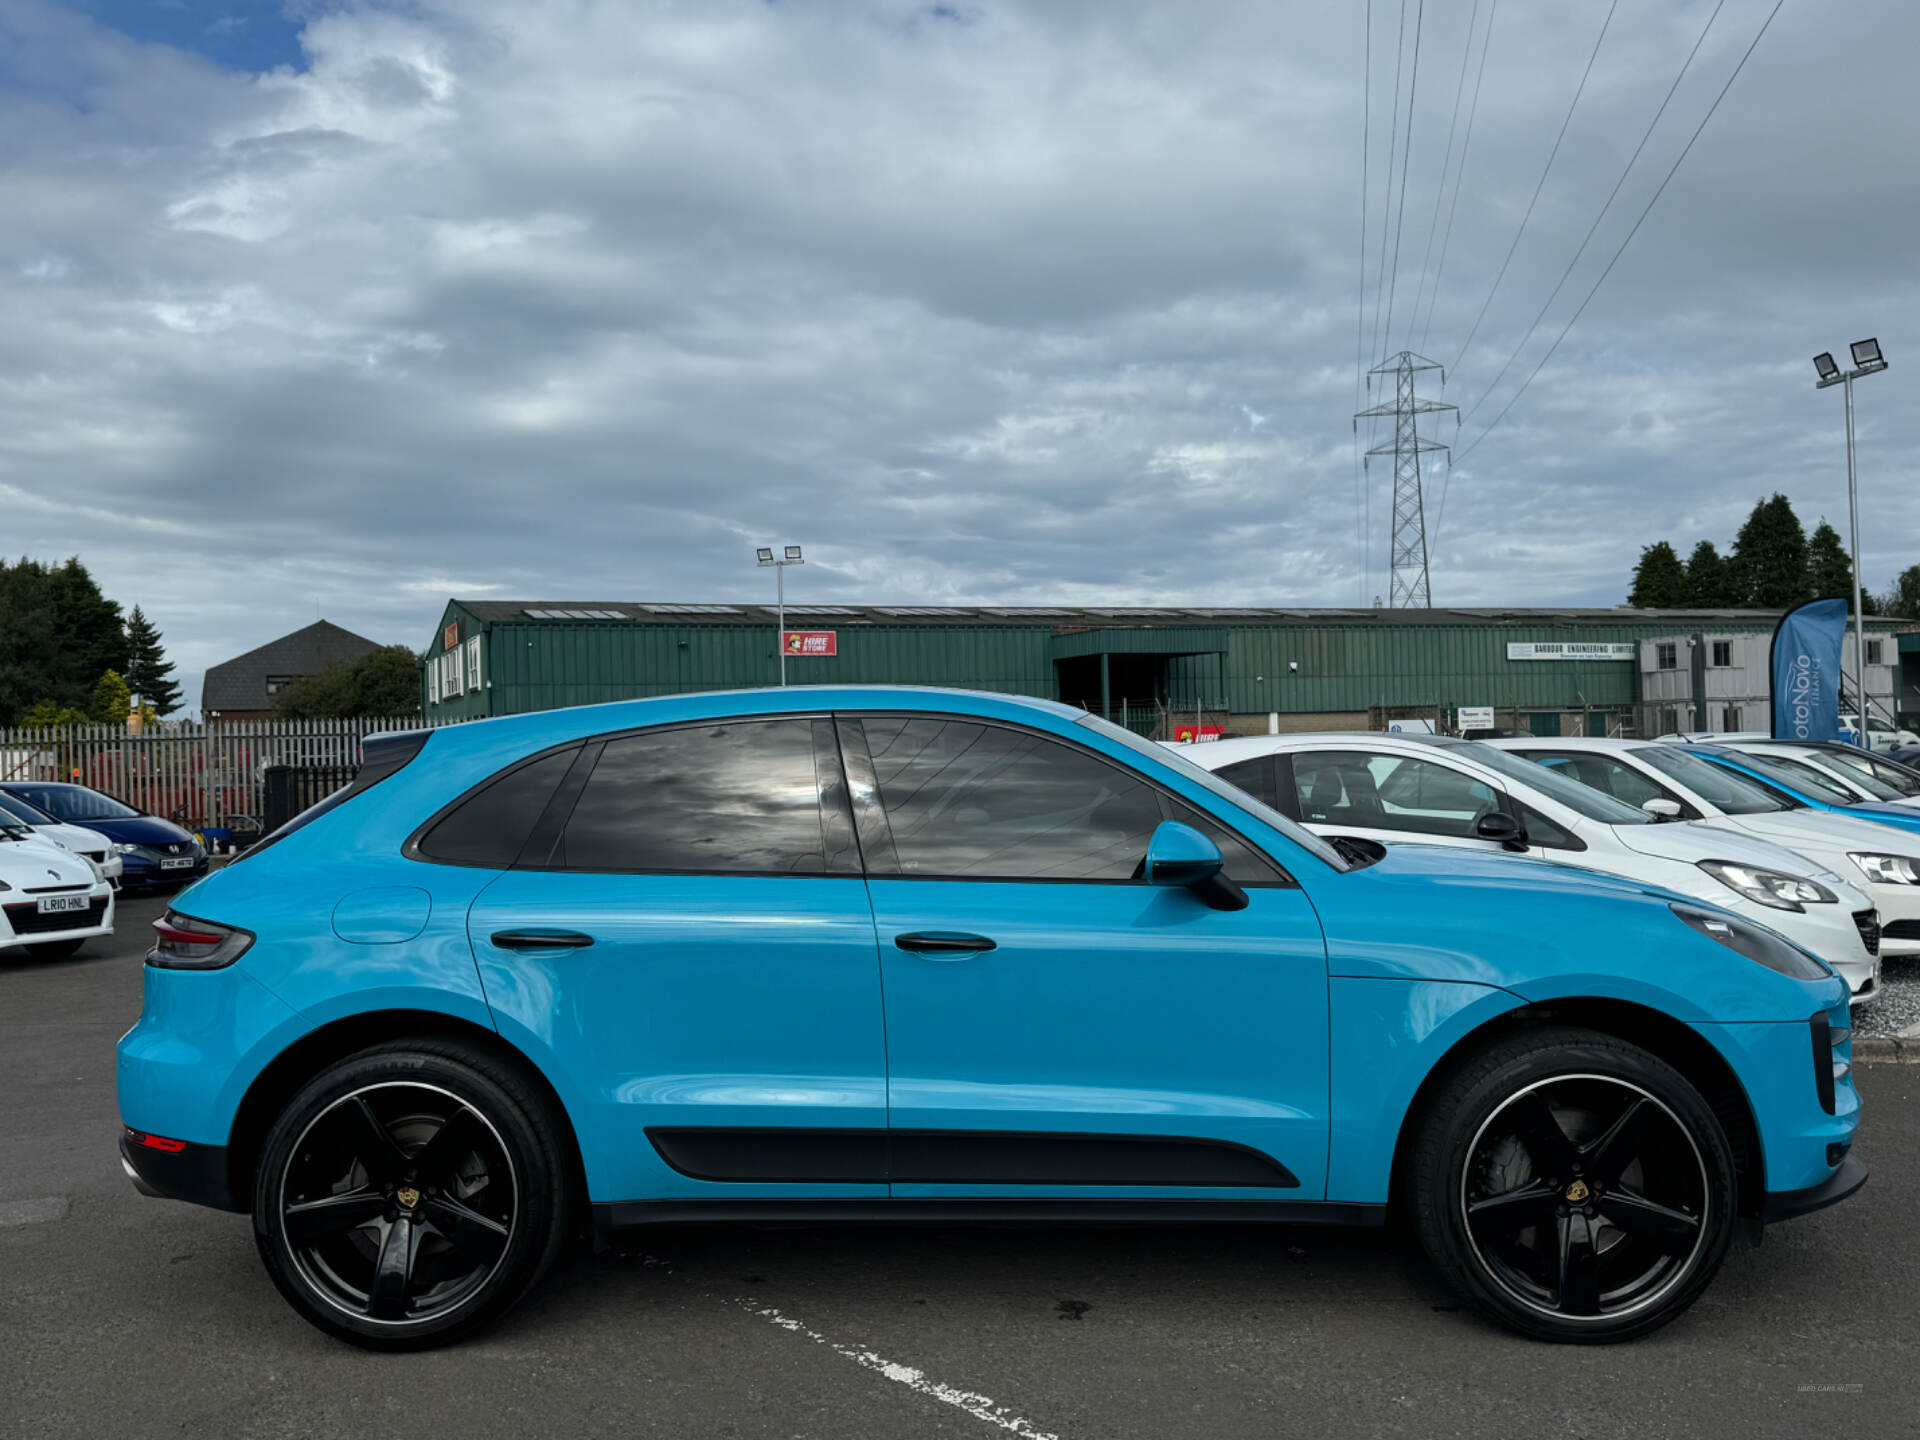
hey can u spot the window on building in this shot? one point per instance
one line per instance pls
(433, 682)
(1730, 719)
(473, 663)
(1876, 650)
(450, 662)
(277, 683)
(1666, 655)
(762, 797)
(1722, 654)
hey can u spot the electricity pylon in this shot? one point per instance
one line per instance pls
(1409, 588)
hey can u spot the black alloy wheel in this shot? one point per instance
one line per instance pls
(409, 1195)
(1572, 1186)
(399, 1202)
(1585, 1197)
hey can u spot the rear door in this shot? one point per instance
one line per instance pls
(687, 937)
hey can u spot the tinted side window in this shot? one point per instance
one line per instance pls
(1254, 776)
(1601, 773)
(964, 799)
(1544, 832)
(762, 797)
(1389, 792)
(490, 826)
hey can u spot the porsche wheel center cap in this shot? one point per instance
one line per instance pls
(407, 1196)
(1576, 1192)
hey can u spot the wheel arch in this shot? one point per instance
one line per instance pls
(282, 1076)
(1673, 1041)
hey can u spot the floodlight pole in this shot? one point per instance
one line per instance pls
(1875, 362)
(779, 566)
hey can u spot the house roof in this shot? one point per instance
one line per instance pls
(241, 683)
(669, 612)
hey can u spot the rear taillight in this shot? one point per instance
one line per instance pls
(184, 942)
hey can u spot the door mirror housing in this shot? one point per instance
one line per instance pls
(1503, 829)
(1661, 808)
(1179, 856)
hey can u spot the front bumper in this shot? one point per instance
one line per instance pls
(143, 872)
(22, 924)
(1785, 1204)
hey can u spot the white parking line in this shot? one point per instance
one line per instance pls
(981, 1407)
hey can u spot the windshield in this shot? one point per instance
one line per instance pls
(1214, 785)
(1883, 781)
(1581, 799)
(1800, 775)
(12, 807)
(1727, 792)
(74, 804)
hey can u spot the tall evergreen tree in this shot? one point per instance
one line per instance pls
(1709, 579)
(1770, 557)
(1659, 580)
(1829, 571)
(149, 672)
(57, 634)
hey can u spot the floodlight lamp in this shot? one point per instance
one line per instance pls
(1867, 352)
(1822, 363)
(764, 555)
(793, 553)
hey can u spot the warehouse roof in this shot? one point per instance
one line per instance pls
(675, 612)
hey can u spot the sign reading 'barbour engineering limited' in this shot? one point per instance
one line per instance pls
(1570, 650)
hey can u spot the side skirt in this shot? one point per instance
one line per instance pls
(610, 1217)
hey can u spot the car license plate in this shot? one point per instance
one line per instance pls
(62, 904)
(184, 862)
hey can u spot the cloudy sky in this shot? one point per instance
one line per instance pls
(338, 309)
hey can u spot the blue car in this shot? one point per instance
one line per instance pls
(156, 854)
(873, 954)
(1804, 786)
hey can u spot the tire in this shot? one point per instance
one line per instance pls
(55, 949)
(1572, 1186)
(410, 1195)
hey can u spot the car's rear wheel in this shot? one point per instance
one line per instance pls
(1573, 1186)
(411, 1194)
(55, 949)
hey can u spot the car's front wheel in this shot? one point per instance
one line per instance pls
(410, 1194)
(1573, 1186)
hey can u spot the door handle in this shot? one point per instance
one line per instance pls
(541, 940)
(943, 942)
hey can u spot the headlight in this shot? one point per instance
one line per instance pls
(1888, 869)
(1772, 888)
(1756, 944)
(120, 849)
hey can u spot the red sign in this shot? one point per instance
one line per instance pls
(1191, 734)
(811, 642)
(450, 637)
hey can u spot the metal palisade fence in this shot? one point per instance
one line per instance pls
(210, 775)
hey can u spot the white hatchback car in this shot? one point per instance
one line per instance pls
(1392, 788)
(1886, 859)
(1861, 775)
(51, 900)
(88, 844)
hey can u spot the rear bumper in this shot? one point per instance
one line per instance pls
(194, 1173)
(1785, 1204)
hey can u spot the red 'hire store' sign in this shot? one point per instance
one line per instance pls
(811, 642)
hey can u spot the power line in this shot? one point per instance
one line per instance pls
(1593, 228)
(1758, 36)
(1446, 160)
(1406, 154)
(1466, 145)
(1393, 150)
(1578, 91)
(1360, 516)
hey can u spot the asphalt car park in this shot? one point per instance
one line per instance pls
(126, 1315)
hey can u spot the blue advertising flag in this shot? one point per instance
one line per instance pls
(1806, 671)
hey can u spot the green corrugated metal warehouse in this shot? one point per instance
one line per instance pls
(1550, 671)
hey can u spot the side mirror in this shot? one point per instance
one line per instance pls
(1180, 856)
(1503, 829)
(1661, 808)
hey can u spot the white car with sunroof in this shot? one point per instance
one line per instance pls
(1467, 793)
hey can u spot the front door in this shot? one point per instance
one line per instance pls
(694, 948)
(1055, 1026)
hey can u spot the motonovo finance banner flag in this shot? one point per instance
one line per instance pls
(1806, 671)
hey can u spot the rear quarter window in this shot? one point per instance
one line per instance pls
(488, 826)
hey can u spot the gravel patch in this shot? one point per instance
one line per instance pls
(1899, 1002)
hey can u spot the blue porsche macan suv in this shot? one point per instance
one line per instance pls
(872, 954)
